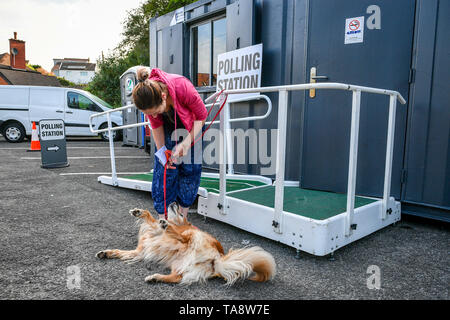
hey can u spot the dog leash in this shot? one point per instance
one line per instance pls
(168, 153)
(217, 113)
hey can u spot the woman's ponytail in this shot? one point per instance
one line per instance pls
(142, 74)
(147, 94)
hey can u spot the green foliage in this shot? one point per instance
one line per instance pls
(31, 67)
(106, 83)
(68, 84)
(64, 82)
(132, 50)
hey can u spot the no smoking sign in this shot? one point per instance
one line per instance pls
(354, 25)
(354, 30)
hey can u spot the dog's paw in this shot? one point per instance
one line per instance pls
(101, 255)
(163, 223)
(136, 212)
(150, 278)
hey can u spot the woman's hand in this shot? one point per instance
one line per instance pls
(180, 150)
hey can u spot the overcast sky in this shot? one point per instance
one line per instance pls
(63, 28)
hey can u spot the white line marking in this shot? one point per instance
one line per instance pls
(97, 173)
(78, 158)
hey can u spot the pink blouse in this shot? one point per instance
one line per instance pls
(186, 100)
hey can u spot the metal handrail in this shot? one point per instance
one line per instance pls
(246, 99)
(134, 125)
(307, 86)
(110, 129)
(227, 121)
(127, 126)
(281, 145)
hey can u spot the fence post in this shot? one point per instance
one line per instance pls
(389, 155)
(281, 157)
(111, 150)
(222, 205)
(352, 161)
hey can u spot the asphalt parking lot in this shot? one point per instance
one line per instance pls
(53, 221)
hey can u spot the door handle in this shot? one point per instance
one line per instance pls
(319, 78)
(59, 111)
(69, 111)
(313, 77)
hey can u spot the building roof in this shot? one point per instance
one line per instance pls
(24, 77)
(56, 67)
(5, 58)
(77, 66)
(71, 59)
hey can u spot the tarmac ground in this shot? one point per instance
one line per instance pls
(54, 221)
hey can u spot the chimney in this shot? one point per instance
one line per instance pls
(17, 52)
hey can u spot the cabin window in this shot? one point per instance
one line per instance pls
(208, 40)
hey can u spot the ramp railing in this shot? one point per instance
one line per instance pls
(281, 142)
(227, 121)
(353, 156)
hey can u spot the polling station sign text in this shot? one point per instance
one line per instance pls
(52, 136)
(240, 69)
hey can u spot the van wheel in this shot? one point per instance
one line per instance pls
(14, 132)
(117, 135)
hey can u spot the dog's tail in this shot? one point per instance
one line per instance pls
(242, 263)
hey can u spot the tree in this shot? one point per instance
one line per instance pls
(132, 50)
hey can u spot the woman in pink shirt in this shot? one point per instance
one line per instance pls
(172, 105)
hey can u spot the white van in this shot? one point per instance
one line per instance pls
(21, 105)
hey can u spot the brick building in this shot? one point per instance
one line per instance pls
(14, 71)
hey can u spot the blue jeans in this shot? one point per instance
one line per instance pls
(182, 183)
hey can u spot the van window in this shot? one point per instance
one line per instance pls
(78, 101)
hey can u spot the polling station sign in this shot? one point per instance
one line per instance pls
(240, 69)
(52, 136)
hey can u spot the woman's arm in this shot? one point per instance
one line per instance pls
(189, 97)
(194, 134)
(158, 136)
(183, 147)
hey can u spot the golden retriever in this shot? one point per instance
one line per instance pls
(191, 254)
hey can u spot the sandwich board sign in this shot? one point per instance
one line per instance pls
(52, 136)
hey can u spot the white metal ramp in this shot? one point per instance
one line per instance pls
(270, 210)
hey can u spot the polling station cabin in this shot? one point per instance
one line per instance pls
(328, 76)
(401, 45)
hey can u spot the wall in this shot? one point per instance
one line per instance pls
(76, 77)
(283, 28)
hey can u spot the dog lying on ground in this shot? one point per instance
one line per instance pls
(191, 254)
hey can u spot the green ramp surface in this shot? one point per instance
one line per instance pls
(318, 205)
(210, 184)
